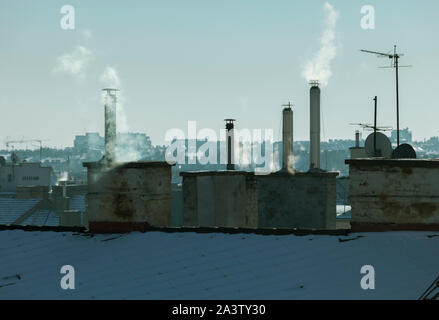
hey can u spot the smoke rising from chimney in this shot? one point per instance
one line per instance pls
(74, 63)
(110, 78)
(125, 147)
(319, 68)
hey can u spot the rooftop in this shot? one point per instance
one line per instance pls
(29, 212)
(251, 173)
(420, 163)
(161, 265)
(125, 165)
(11, 209)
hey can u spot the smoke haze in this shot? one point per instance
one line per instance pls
(319, 68)
(74, 63)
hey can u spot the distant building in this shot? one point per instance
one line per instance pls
(91, 140)
(137, 141)
(23, 174)
(405, 136)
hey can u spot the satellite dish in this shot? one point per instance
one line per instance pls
(383, 146)
(404, 151)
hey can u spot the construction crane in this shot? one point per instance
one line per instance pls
(394, 64)
(11, 142)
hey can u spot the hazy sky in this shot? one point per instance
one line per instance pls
(209, 60)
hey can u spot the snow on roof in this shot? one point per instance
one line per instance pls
(344, 212)
(12, 208)
(159, 265)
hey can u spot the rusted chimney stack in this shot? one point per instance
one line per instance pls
(287, 139)
(314, 143)
(110, 125)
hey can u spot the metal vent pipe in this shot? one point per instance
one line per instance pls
(287, 139)
(230, 128)
(314, 143)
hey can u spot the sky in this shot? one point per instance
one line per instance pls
(204, 60)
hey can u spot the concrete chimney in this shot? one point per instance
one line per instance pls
(110, 125)
(314, 143)
(230, 138)
(287, 139)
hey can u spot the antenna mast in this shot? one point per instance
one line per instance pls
(395, 64)
(375, 127)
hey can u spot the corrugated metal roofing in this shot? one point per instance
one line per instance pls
(159, 265)
(11, 208)
(41, 218)
(77, 203)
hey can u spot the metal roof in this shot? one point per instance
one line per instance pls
(77, 203)
(41, 218)
(12, 208)
(159, 265)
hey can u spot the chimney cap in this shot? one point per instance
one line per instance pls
(314, 83)
(111, 91)
(288, 105)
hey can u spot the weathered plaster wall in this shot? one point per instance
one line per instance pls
(302, 201)
(137, 192)
(394, 191)
(243, 200)
(219, 199)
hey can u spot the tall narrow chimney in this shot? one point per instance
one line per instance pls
(110, 125)
(314, 143)
(357, 139)
(230, 128)
(287, 139)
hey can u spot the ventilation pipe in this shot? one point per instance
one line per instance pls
(110, 125)
(314, 143)
(287, 139)
(357, 139)
(230, 130)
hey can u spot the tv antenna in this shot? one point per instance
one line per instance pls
(394, 64)
(23, 141)
(371, 127)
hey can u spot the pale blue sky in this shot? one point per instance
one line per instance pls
(210, 60)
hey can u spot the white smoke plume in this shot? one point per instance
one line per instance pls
(87, 34)
(319, 68)
(64, 176)
(74, 63)
(110, 78)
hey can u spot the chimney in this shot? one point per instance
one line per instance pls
(287, 139)
(314, 143)
(230, 128)
(110, 125)
(357, 139)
